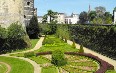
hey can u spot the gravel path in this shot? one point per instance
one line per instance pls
(7, 65)
(37, 68)
(86, 50)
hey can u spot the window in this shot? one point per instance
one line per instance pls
(28, 3)
(24, 16)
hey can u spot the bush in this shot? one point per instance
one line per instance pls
(58, 58)
(81, 50)
(13, 38)
(73, 45)
(29, 54)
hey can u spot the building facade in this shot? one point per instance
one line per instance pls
(62, 18)
(16, 10)
(73, 19)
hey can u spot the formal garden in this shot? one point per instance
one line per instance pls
(55, 55)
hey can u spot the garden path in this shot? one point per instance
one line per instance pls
(37, 68)
(86, 50)
(7, 65)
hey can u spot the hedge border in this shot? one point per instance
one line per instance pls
(104, 66)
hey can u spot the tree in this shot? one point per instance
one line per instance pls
(33, 28)
(108, 18)
(51, 14)
(92, 15)
(83, 17)
(100, 11)
(44, 20)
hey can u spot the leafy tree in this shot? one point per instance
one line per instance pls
(83, 17)
(33, 28)
(44, 20)
(51, 14)
(16, 34)
(108, 18)
(92, 15)
(100, 11)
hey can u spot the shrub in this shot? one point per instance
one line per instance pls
(29, 54)
(58, 58)
(81, 50)
(73, 45)
(16, 34)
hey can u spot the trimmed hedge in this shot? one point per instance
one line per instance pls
(98, 38)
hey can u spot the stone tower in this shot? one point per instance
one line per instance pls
(11, 11)
(28, 10)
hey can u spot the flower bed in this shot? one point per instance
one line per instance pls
(104, 66)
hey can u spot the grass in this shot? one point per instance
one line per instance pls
(33, 43)
(111, 71)
(3, 68)
(17, 65)
(52, 43)
(51, 69)
(40, 59)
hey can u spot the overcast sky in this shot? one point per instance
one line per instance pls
(69, 6)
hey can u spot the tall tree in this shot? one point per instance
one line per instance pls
(33, 28)
(52, 15)
(100, 11)
(83, 17)
(44, 20)
(92, 15)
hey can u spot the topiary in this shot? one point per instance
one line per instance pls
(58, 58)
(73, 45)
(81, 50)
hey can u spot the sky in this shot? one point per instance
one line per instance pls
(72, 6)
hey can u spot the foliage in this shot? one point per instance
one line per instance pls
(29, 54)
(73, 45)
(98, 38)
(14, 33)
(92, 15)
(58, 58)
(33, 28)
(51, 69)
(63, 32)
(83, 17)
(81, 50)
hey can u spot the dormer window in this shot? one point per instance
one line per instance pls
(28, 3)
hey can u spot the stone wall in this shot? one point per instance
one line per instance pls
(11, 11)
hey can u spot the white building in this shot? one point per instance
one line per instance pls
(114, 17)
(73, 19)
(61, 18)
(39, 19)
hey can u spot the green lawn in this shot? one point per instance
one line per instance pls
(52, 43)
(3, 68)
(17, 65)
(40, 59)
(33, 43)
(49, 70)
(111, 71)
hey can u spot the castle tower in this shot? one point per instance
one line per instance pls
(28, 10)
(11, 11)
